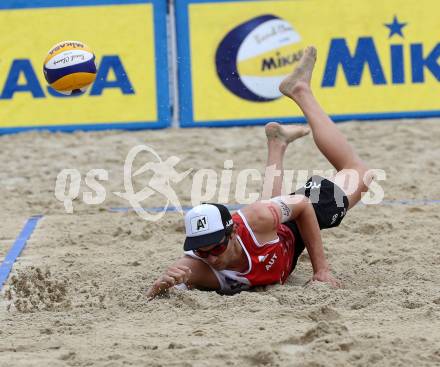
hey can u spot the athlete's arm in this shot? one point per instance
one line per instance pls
(192, 272)
(309, 228)
(265, 216)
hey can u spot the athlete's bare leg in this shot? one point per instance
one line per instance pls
(330, 141)
(278, 138)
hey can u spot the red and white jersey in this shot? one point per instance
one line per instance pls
(269, 262)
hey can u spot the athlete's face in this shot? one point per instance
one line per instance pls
(220, 255)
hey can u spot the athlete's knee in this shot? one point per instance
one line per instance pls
(359, 170)
(354, 182)
(366, 175)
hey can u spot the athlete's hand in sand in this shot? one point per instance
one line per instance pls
(326, 277)
(176, 274)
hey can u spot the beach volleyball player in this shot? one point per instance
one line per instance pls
(261, 243)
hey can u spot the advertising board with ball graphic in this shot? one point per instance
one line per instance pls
(256, 56)
(374, 61)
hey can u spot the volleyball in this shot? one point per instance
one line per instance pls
(254, 57)
(70, 67)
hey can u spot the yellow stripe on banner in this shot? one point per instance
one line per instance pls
(74, 81)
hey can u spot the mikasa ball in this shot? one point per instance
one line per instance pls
(70, 67)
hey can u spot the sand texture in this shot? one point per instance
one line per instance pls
(76, 297)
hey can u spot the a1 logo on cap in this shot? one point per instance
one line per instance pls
(199, 224)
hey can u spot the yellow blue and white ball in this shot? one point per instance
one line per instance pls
(254, 57)
(70, 67)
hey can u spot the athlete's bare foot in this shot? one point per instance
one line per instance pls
(301, 76)
(284, 134)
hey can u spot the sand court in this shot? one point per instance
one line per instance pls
(76, 295)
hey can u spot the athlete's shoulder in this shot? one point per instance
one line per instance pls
(236, 217)
(259, 216)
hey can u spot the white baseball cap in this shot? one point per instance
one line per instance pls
(206, 225)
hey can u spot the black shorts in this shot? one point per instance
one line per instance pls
(330, 204)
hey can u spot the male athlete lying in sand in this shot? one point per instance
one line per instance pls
(261, 243)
